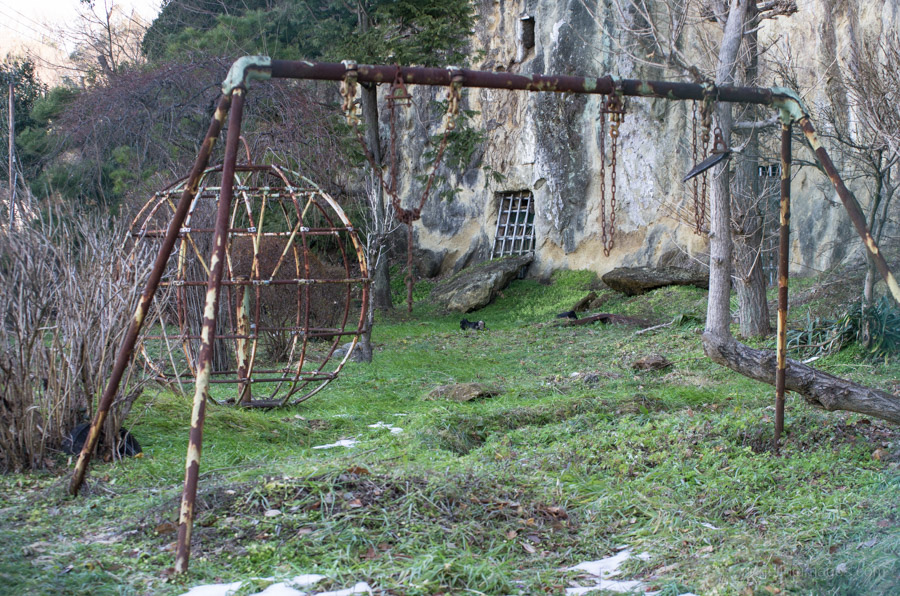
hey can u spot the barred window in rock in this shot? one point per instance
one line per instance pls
(515, 224)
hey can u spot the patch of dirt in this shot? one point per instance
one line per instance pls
(462, 432)
(638, 404)
(355, 495)
(880, 437)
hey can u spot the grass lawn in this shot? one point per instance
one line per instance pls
(577, 457)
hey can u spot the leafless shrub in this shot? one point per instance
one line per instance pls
(66, 298)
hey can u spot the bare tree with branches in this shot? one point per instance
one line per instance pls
(716, 42)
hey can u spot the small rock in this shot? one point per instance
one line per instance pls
(651, 362)
(463, 392)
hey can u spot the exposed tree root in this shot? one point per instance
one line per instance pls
(818, 388)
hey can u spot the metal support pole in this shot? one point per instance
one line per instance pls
(208, 334)
(852, 206)
(784, 240)
(125, 351)
(242, 347)
(442, 77)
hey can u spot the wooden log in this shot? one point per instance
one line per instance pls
(818, 388)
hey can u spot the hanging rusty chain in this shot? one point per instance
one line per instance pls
(699, 206)
(615, 107)
(398, 95)
(706, 123)
(603, 112)
(348, 94)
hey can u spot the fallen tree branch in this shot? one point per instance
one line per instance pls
(605, 317)
(655, 327)
(818, 388)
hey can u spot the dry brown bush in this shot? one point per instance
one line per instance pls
(66, 298)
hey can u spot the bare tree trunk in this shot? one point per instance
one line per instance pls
(747, 259)
(381, 281)
(749, 280)
(718, 310)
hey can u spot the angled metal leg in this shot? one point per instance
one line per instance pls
(126, 350)
(208, 334)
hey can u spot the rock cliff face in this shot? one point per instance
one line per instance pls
(549, 143)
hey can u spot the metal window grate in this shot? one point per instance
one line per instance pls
(515, 225)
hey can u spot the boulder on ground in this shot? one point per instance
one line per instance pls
(638, 280)
(463, 391)
(475, 287)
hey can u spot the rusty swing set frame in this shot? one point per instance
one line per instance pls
(231, 104)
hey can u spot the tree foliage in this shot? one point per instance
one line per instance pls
(396, 31)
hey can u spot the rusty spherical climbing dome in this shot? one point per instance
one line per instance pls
(294, 289)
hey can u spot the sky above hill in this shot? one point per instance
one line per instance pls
(45, 29)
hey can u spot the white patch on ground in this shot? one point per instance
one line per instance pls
(606, 568)
(289, 588)
(606, 584)
(394, 429)
(359, 588)
(280, 589)
(341, 443)
(214, 589)
(285, 588)
(709, 525)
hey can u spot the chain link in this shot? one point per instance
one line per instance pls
(603, 178)
(615, 107)
(706, 124)
(699, 202)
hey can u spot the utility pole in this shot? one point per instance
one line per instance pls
(12, 156)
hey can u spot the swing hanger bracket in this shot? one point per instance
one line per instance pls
(615, 102)
(398, 94)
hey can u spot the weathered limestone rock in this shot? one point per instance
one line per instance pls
(476, 287)
(428, 262)
(548, 144)
(356, 356)
(463, 392)
(638, 280)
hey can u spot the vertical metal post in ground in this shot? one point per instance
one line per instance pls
(784, 240)
(208, 334)
(125, 351)
(242, 347)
